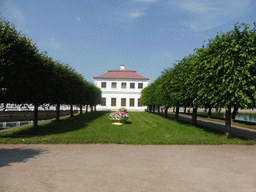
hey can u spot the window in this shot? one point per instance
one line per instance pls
(103, 101)
(132, 85)
(103, 84)
(139, 104)
(123, 102)
(124, 85)
(113, 84)
(131, 102)
(113, 101)
(140, 85)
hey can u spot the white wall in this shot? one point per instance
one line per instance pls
(119, 93)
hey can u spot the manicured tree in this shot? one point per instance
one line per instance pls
(18, 55)
(23, 71)
(90, 96)
(44, 81)
(158, 93)
(60, 93)
(66, 85)
(72, 84)
(228, 71)
(94, 95)
(148, 96)
(190, 86)
(145, 97)
(97, 95)
(166, 89)
(178, 86)
(84, 95)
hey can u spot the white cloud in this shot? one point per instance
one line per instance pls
(207, 14)
(53, 43)
(10, 11)
(135, 14)
(78, 19)
(13, 14)
(167, 55)
(50, 44)
(145, 1)
(198, 8)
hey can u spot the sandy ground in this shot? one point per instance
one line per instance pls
(99, 167)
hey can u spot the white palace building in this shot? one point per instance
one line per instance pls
(121, 89)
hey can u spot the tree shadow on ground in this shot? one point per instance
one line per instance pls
(57, 127)
(17, 155)
(209, 129)
(222, 118)
(245, 122)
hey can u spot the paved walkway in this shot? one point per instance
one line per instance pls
(235, 130)
(99, 167)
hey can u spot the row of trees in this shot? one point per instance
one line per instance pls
(219, 75)
(28, 76)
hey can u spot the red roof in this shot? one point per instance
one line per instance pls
(121, 74)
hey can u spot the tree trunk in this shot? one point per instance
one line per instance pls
(58, 112)
(81, 109)
(95, 108)
(158, 109)
(154, 108)
(228, 121)
(194, 116)
(86, 108)
(165, 114)
(35, 114)
(209, 112)
(234, 113)
(176, 117)
(71, 111)
(173, 109)
(185, 108)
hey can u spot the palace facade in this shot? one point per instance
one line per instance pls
(121, 89)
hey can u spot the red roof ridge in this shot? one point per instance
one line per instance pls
(121, 70)
(121, 74)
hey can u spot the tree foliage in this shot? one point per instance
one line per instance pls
(27, 76)
(222, 74)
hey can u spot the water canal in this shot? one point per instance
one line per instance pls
(6, 125)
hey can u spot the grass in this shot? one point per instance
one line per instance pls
(219, 118)
(141, 129)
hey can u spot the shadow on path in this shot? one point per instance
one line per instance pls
(17, 155)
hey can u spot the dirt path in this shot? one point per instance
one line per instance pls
(100, 167)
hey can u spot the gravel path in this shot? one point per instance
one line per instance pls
(99, 167)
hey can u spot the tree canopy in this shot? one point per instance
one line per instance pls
(28, 76)
(222, 74)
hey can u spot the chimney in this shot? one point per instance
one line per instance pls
(121, 67)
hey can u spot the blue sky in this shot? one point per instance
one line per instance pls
(94, 36)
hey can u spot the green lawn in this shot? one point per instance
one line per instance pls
(141, 128)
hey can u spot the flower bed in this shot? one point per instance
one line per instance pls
(119, 117)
